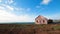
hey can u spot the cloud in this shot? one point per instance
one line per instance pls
(9, 2)
(12, 7)
(9, 7)
(45, 2)
(6, 14)
(9, 17)
(1, 7)
(54, 16)
(6, 7)
(0, 0)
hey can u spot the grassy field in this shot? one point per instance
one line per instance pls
(29, 29)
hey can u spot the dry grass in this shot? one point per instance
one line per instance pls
(30, 29)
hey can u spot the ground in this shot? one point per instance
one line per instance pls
(29, 29)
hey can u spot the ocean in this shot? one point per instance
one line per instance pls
(18, 23)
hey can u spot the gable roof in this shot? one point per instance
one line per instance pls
(41, 17)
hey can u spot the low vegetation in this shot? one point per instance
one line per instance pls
(56, 27)
(29, 29)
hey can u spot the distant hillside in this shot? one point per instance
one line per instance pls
(56, 21)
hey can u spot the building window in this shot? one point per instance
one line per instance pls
(43, 21)
(37, 21)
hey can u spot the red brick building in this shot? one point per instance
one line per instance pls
(41, 20)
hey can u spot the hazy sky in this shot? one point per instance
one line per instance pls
(28, 10)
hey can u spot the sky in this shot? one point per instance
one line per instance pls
(28, 10)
